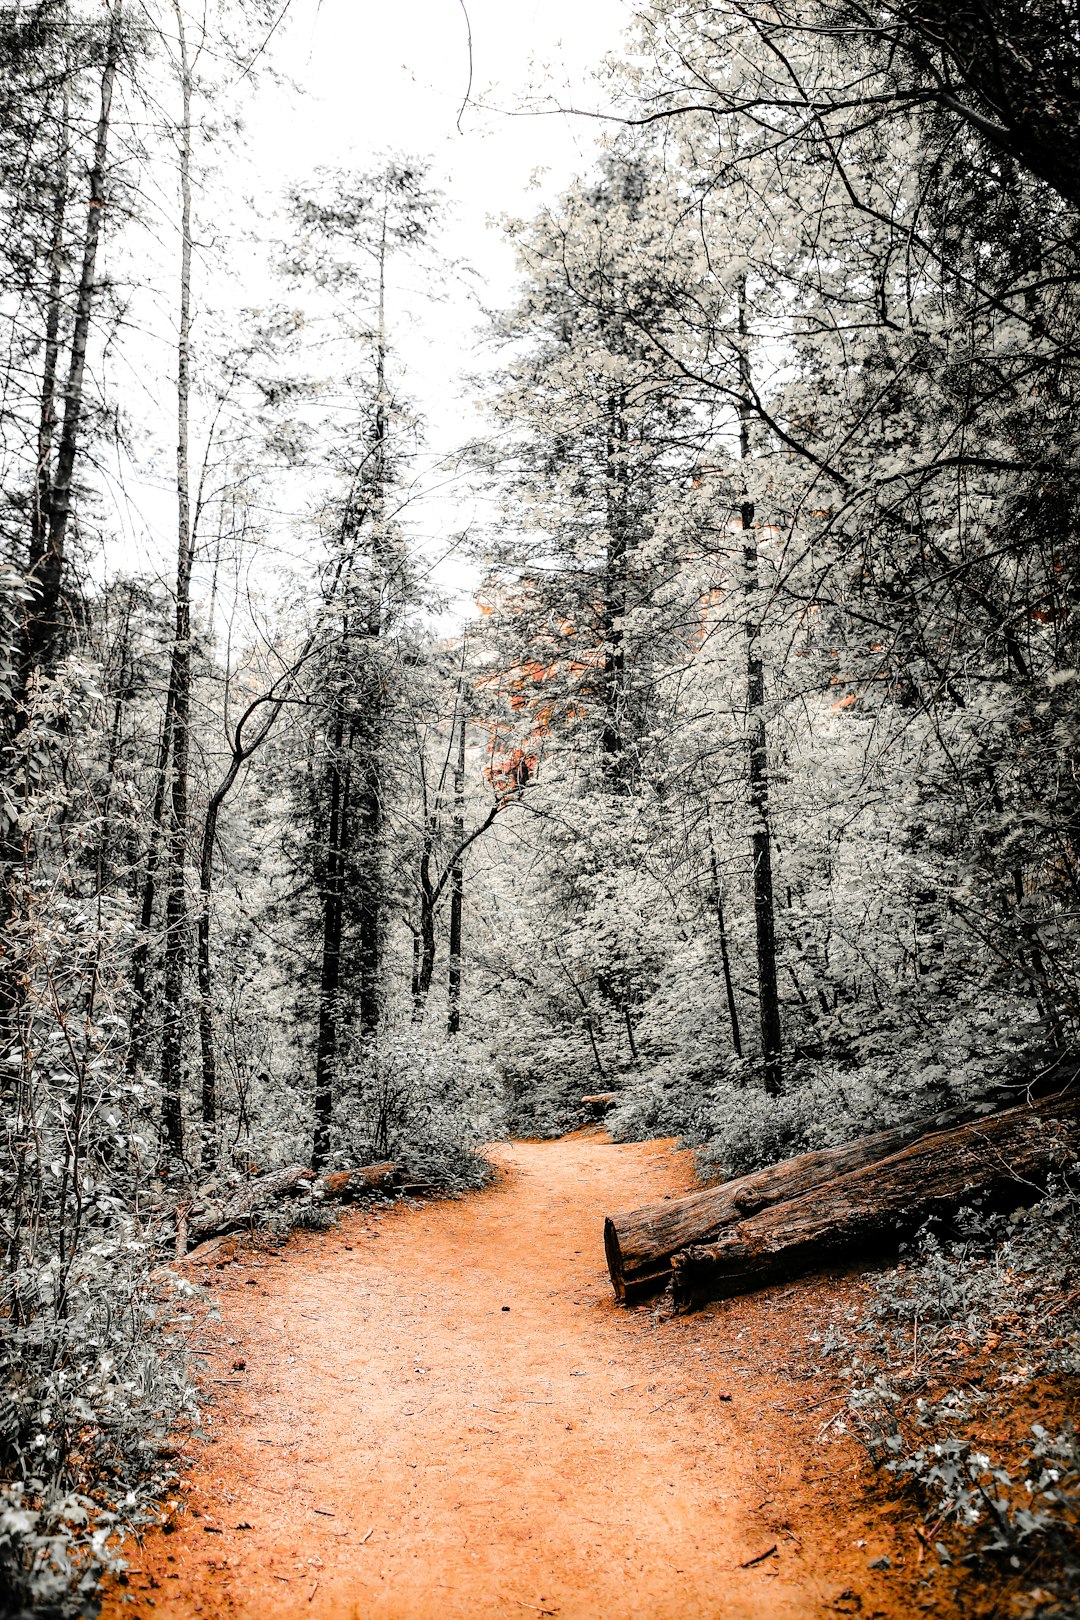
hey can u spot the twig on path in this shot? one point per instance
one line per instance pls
(313, 1591)
(1068, 1300)
(538, 1607)
(370, 1533)
(760, 1559)
(828, 1425)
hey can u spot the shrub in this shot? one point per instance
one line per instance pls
(425, 1101)
(94, 1365)
(736, 1127)
(956, 1344)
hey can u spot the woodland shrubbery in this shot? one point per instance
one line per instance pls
(963, 1372)
(427, 1106)
(736, 1127)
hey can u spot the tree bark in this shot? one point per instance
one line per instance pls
(346, 1185)
(47, 563)
(242, 1204)
(758, 760)
(39, 527)
(51, 512)
(716, 899)
(176, 948)
(140, 956)
(457, 881)
(333, 921)
(617, 497)
(371, 904)
(241, 753)
(429, 895)
(871, 1207)
(640, 1243)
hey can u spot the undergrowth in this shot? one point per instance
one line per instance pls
(963, 1371)
(735, 1127)
(95, 1380)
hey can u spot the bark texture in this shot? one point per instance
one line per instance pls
(757, 769)
(349, 1184)
(864, 1209)
(239, 1207)
(640, 1243)
(174, 971)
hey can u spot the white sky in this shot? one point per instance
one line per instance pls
(373, 78)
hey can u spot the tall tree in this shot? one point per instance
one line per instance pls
(42, 618)
(174, 978)
(349, 228)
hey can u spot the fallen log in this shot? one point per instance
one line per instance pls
(216, 1249)
(868, 1207)
(346, 1185)
(246, 1200)
(640, 1243)
(598, 1102)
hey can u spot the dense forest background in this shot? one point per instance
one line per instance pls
(749, 789)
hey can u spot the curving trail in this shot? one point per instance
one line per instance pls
(444, 1416)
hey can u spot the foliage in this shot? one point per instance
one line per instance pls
(736, 1127)
(96, 1383)
(955, 1347)
(423, 1102)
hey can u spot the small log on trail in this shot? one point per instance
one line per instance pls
(242, 1204)
(218, 1250)
(872, 1206)
(598, 1102)
(640, 1243)
(346, 1185)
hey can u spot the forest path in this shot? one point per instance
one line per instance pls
(443, 1413)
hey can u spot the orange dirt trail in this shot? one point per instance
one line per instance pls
(444, 1414)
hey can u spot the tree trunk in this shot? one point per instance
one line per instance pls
(457, 881)
(614, 606)
(871, 1207)
(371, 899)
(640, 1243)
(203, 969)
(51, 362)
(370, 908)
(716, 899)
(47, 566)
(333, 919)
(121, 693)
(174, 975)
(758, 761)
(51, 512)
(346, 1185)
(245, 1201)
(241, 753)
(140, 956)
(428, 900)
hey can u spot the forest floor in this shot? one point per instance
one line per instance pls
(440, 1411)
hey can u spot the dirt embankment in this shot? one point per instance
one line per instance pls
(441, 1413)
